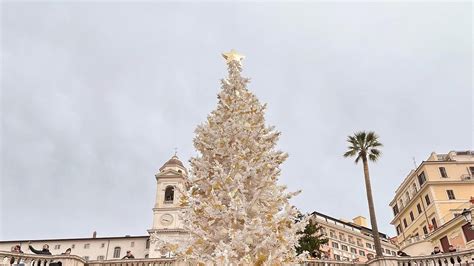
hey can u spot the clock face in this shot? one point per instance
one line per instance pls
(166, 219)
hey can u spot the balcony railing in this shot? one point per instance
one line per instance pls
(456, 258)
(8, 258)
(138, 262)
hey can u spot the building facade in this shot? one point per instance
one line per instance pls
(431, 198)
(350, 241)
(94, 248)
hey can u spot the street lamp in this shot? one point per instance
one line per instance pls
(467, 215)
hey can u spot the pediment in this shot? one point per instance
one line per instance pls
(169, 173)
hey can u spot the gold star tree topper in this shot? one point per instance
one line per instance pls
(233, 56)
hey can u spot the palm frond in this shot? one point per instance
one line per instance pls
(350, 153)
(373, 157)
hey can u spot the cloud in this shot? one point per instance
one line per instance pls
(95, 96)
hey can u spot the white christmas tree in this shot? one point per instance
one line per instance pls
(236, 213)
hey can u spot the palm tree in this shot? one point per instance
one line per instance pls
(364, 145)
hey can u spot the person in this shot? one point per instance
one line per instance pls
(16, 249)
(67, 252)
(436, 251)
(128, 256)
(451, 248)
(44, 251)
(402, 254)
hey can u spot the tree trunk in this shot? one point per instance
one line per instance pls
(370, 200)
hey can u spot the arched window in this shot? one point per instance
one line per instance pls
(117, 252)
(169, 194)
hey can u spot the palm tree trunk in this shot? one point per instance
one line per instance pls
(370, 200)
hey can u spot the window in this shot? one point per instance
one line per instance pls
(323, 231)
(418, 206)
(353, 250)
(405, 223)
(395, 210)
(332, 233)
(359, 242)
(443, 173)
(421, 178)
(468, 232)
(102, 245)
(351, 240)
(361, 252)
(425, 230)
(394, 253)
(427, 199)
(471, 169)
(412, 217)
(169, 194)
(342, 237)
(368, 245)
(337, 257)
(399, 230)
(86, 246)
(450, 194)
(132, 244)
(73, 246)
(117, 252)
(86, 257)
(146, 256)
(335, 245)
(344, 247)
(57, 246)
(387, 251)
(100, 257)
(433, 222)
(147, 244)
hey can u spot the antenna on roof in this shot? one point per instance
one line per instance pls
(414, 162)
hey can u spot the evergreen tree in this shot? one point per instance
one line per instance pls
(235, 211)
(311, 240)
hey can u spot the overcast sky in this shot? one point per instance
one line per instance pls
(95, 96)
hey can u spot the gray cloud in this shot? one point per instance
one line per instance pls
(95, 96)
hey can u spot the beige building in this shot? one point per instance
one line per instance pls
(166, 225)
(427, 204)
(351, 241)
(94, 248)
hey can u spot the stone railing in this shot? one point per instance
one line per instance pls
(8, 258)
(456, 258)
(329, 263)
(411, 240)
(137, 262)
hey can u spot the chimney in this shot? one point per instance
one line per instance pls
(360, 220)
(94, 235)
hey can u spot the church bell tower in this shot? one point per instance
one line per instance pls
(166, 222)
